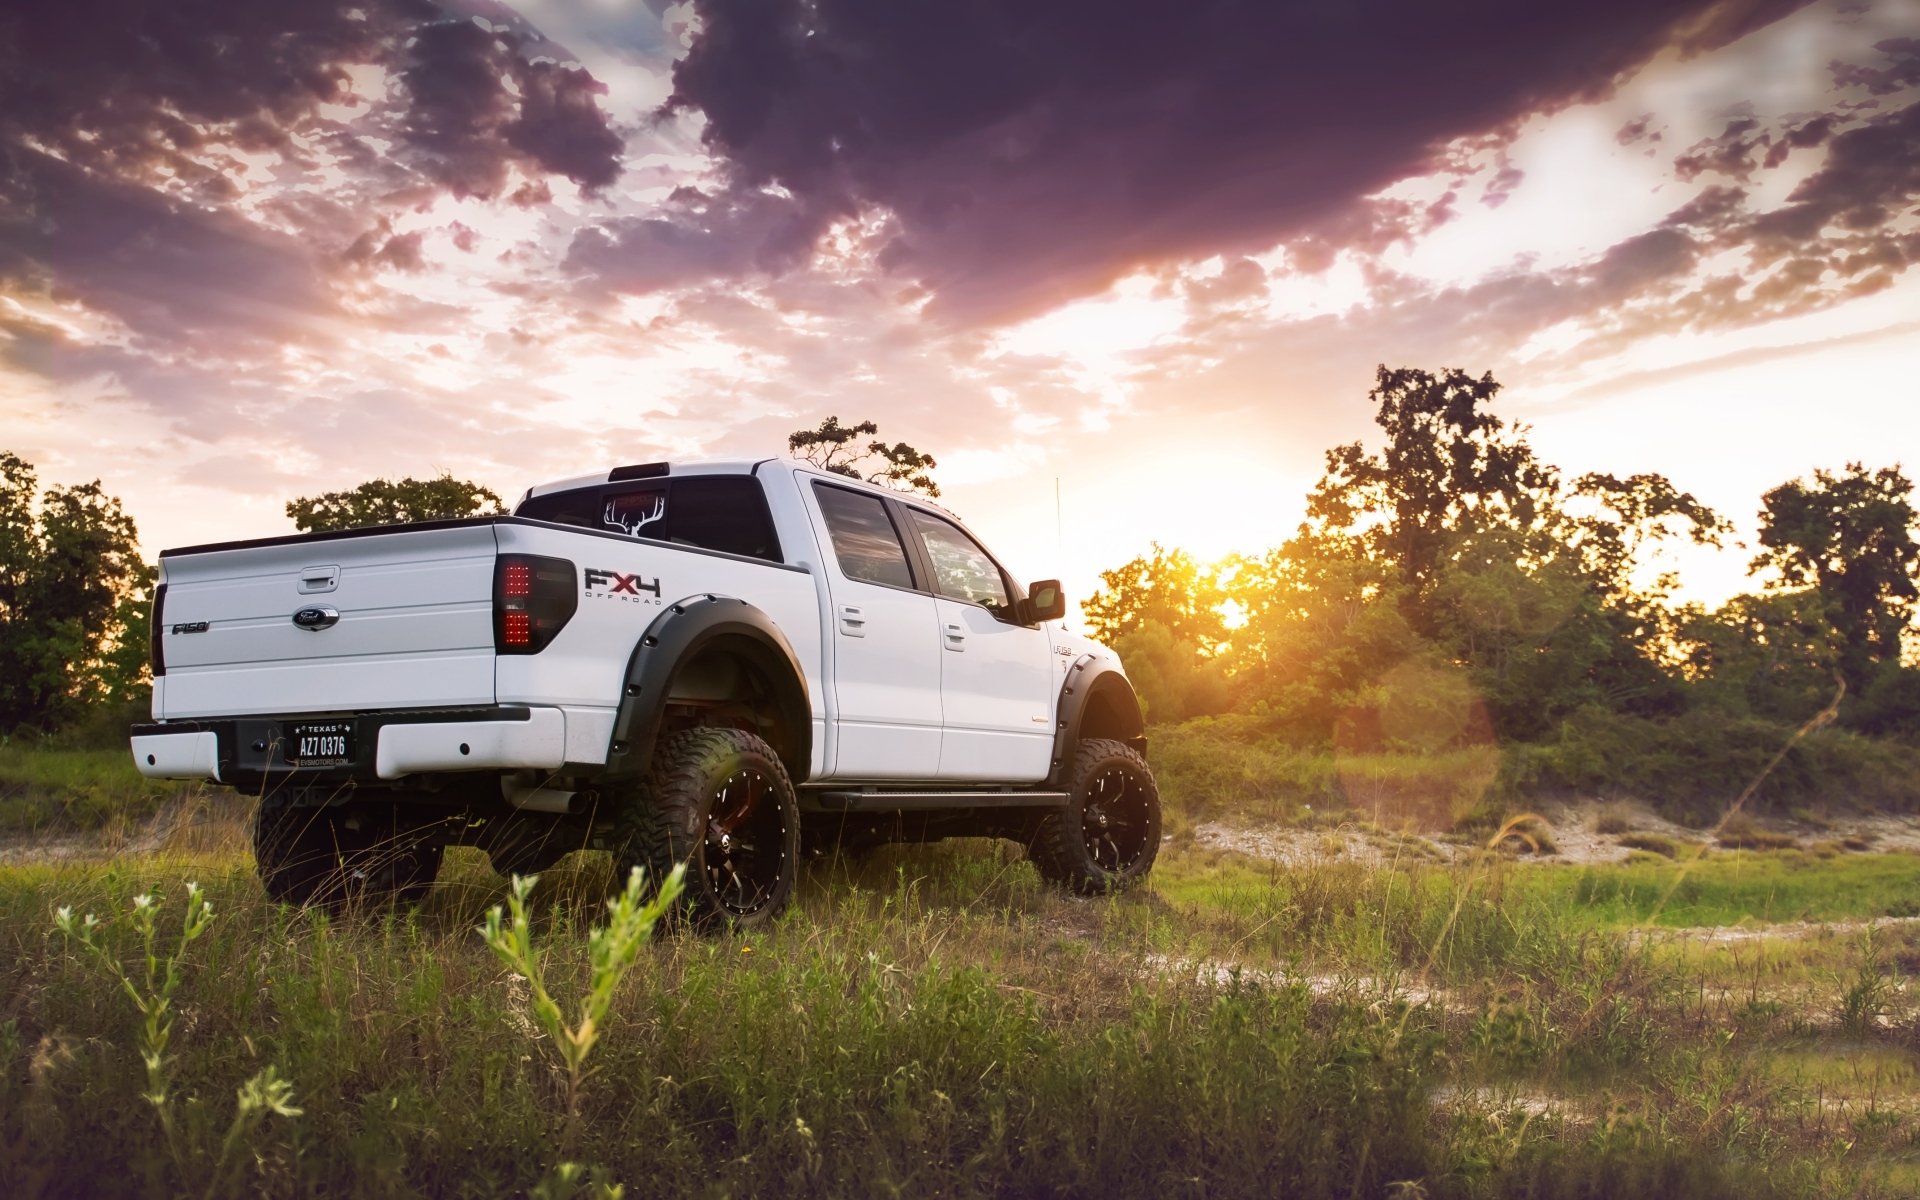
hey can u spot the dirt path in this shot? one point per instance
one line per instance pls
(1583, 834)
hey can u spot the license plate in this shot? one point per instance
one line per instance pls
(320, 744)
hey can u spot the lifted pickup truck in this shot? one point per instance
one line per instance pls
(723, 664)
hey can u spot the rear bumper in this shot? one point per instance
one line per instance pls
(385, 745)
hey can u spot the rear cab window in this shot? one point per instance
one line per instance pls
(727, 513)
(865, 542)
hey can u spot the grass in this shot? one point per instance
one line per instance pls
(1729, 888)
(934, 1022)
(63, 789)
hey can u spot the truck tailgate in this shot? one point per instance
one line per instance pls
(414, 624)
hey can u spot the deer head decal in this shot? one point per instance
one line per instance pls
(651, 508)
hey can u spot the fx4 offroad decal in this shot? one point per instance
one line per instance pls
(616, 585)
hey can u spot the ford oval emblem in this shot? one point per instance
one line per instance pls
(317, 617)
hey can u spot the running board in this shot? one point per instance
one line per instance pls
(878, 801)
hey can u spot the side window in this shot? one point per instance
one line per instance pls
(961, 569)
(723, 512)
(864, 539)
(636, 512)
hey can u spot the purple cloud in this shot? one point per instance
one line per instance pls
(1034, 152)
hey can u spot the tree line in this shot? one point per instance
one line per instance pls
(1447, 585)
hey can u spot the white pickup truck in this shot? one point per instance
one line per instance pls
(723, 664)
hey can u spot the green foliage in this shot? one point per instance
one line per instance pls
(53, 788)
(73, 601)
(834, 447)
(1691, 767)
(150, 990)
(1850, 539)
(1164, 588)
(384, 502)
(1450, 589)
(942, 1025)
(1172, 682)
(611, 951)
(1450, 470)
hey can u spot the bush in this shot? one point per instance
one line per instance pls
(1689, 769)
(1692, 767)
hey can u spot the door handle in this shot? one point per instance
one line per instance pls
(853, 620)
(956, 637)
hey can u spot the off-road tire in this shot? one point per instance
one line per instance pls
(719, 801)
(1107, 836)
(334, 855)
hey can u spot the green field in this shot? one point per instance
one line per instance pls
(933, 1022)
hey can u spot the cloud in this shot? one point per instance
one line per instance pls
(1033, 153)
(189, 98)
(479, 105)
(173, 274)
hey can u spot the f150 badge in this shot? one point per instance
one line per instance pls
(615, 585)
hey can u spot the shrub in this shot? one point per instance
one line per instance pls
(1742, 832)
(1653, 843)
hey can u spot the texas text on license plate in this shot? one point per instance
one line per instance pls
(320, 744)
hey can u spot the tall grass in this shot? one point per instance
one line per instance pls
(928, 1022)
(55, 789)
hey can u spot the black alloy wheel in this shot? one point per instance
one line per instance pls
(1117, 817)
(745, 853)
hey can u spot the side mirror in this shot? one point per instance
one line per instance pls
(1046, 602)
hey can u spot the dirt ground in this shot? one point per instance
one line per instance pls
(1570, 834)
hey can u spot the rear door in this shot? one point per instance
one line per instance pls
(400, 619)
(886, 652)
(996, 676)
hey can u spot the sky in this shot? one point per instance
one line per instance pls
(1125, 270)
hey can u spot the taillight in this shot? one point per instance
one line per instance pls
(533, 599)
(156, 649)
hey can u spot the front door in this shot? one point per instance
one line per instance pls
(996, 677)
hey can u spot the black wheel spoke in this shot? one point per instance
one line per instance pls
(741, 872)
(1114, 820)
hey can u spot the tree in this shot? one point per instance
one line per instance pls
(73, 599)
(1497, 565)
(382, 502)
(1164, 588)
(1772, 655)
(834, 447)
(1449, 470)
(1850, 539)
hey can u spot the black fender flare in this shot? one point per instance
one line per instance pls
(685, 629)
(1094, 683)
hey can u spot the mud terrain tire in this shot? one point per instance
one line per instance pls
(335, 855)
(719, 801)
(1107, 836)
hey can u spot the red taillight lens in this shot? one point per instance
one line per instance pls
(533, 599)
